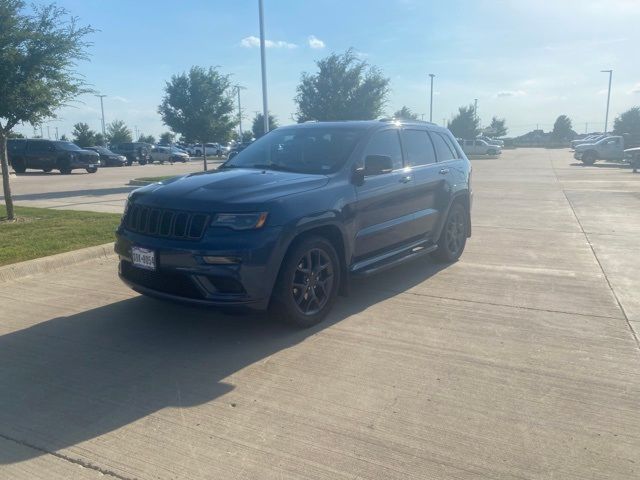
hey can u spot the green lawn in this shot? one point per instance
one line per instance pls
(39, 232)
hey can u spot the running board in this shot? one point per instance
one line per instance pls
(391, 259)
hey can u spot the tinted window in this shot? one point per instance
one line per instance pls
(67, 146)
(444, 151)
(39, 146)
(318, 150)
(418, 147)
(386, 143)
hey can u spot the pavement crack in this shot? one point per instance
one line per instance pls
(634, 334)
(66, 458)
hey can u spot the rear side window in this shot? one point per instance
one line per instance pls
(386, 143)
(418, 148)
(444, 150)
(39, 146)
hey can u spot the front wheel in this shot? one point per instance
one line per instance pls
(142, 162)
(454, 235)
(92, 170)
(308, 283)
(47, 170)
(491, 152)
(589, 158)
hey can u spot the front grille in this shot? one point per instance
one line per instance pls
(162, 222)
(177, 284)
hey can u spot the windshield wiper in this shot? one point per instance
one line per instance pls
(265, 166)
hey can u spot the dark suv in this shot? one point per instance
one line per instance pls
(134, 151)
(48, 155)
(291, 218)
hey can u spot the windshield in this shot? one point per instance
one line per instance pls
(305, 150)
(104, 151)
(67, 146)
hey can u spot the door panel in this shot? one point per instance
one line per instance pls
(383, 207)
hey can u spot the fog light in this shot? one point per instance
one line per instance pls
(222, 260)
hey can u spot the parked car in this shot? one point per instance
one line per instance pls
(108, 158)
(289, 220)
(134, 152)
(479, 147)
(236, 149)
(167, 154)
(608, 148)
(588, 139)
(491, 141)
(48, 155)
(213, 149)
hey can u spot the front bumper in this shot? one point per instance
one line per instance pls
(183, 275)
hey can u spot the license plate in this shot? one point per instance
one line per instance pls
(143, 258)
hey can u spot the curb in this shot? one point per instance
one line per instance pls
(54, 262)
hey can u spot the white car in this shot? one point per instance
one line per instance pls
(210, 149)
(479, 147)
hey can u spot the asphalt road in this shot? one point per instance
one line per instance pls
(103, 191)
(519, 361)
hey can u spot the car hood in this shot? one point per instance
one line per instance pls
(89, 153)
(226, 188)
(584, 146)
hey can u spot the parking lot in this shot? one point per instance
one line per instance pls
(521, 360)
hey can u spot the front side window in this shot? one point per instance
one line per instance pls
(39, 146)
(418, 148)
(386, 143)
(315, 150)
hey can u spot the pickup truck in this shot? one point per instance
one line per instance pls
(632, 157)
(593, 138)
(608, 148)
(479, 147)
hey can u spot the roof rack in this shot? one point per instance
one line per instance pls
(393, 119)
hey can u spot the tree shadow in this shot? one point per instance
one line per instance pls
(74, 378)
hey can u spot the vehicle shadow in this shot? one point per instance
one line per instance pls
(74, 378)
(94, 192)
(602, 165)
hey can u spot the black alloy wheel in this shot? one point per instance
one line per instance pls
(454, 235)
(312, 282)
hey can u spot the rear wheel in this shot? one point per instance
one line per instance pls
(308, 283)
(589, 158)
(92, 170)
(65, 170)
(142, 162)
(454, 235)
(47, 170)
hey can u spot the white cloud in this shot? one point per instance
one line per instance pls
(511, 93)
(315, 42)
(253, 41)
(634, 89)
(117, 98)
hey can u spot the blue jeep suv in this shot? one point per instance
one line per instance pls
(285, 223)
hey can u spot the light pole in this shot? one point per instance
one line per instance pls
(238, 87)
(606, 117)
(263, 62)
(475, 108)
(102, 109)
(431, 100)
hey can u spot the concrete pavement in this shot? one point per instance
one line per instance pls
(518, 361)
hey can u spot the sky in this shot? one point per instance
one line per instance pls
(526, 61)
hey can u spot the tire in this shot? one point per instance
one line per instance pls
(47, 170)
(589, 158)
(142, 162)
(92, 170)
(307, 306)
(454, 235)
(65, 170)
(19, 166)
(491, 152)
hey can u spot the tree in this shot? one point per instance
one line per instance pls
(405, 114)
(247, 136)
(99, 140)
(258, 124)
(167, 138)
(562, 128)
(39, 50)
(150, 139)
(345, 88)
(498, 127)
(118, 132)
(15, 135)
(83, 136)
(199, 105)
(628, 123)
(64, 138)
(465, 124)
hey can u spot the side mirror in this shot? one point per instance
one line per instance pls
(377, 165)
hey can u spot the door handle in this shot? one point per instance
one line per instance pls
(406, 179)
(444, 171)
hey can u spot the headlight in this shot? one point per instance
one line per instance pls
(240, 221)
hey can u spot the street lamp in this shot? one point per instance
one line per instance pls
(431, 101)
(102, 108)
(238, 88)
(263, 63)
(606, 117)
